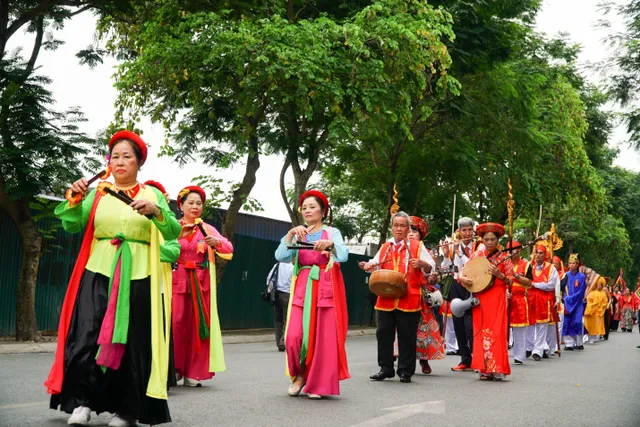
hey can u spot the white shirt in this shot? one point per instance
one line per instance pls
(285, 273)
(460, 259)
(424, 253)
(549, 286)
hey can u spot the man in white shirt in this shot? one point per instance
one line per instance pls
(279, 282)
(400, 314)
(463, 326)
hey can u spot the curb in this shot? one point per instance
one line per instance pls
(50, 347)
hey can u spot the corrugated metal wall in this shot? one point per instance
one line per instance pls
(239, 302)
(10, 257)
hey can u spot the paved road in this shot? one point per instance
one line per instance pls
(599, 387)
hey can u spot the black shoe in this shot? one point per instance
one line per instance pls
(545, 355)
(452, 353)
(381, 376)
(517, 362)
(629, 330)
(624, 329)
(580, 347)
(568, 348)
(528, 354)
(405, 378)
(537, 358)
(280, 348)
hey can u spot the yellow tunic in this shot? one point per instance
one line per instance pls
(112, 218)
(594, 312)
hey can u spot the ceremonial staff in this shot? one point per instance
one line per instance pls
(449, 279)
(554, 242)
(511, 204)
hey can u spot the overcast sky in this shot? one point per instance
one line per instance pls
(93, 91)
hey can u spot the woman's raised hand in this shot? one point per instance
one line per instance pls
(81, 186)
(299, 231)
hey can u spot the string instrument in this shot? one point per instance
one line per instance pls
(477, 269)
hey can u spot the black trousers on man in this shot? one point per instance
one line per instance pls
(463, 326)
(406, 324)
(280, 311)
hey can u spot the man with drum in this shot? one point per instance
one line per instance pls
(410, 258)
(463, 326)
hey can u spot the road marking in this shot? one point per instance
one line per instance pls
(24, 405)
(398, 413)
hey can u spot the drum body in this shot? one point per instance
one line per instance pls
(388, 284)
(477, 270)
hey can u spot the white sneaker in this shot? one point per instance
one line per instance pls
(314, 396)
(121, 421)
(178, 377)
(81, 416)
(188, 382)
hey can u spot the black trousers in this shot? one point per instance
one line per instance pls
(122, 391)
(607, 324)
(280, 314)
(406, 324)
(463, 326)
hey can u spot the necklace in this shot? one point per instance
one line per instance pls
(312, 229)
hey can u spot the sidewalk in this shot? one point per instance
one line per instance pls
(228, 337)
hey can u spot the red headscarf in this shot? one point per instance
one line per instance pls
(133, 137)
(157, 185)
(191, 189)
(514, 245)
(420, 224)
(541, 247)
(490, 227)
(315, 193)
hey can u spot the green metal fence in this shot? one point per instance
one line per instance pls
(239, 302)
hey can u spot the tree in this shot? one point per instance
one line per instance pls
(40, 149)
(624, 65)
(275, 82)
(522, 118)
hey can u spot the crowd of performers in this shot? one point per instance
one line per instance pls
(131, 325)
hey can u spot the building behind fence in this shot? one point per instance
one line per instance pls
(239, 304)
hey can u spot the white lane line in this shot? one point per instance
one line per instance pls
(398, 413)
(24, 405)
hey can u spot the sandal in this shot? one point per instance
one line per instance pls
(484, 377)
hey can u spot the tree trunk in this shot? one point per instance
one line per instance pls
(239, 197)
(26, 324)
(481, 208)
(293, 214)
(301, 178)
(18, 211)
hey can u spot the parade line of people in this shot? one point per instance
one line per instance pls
(131, 326)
